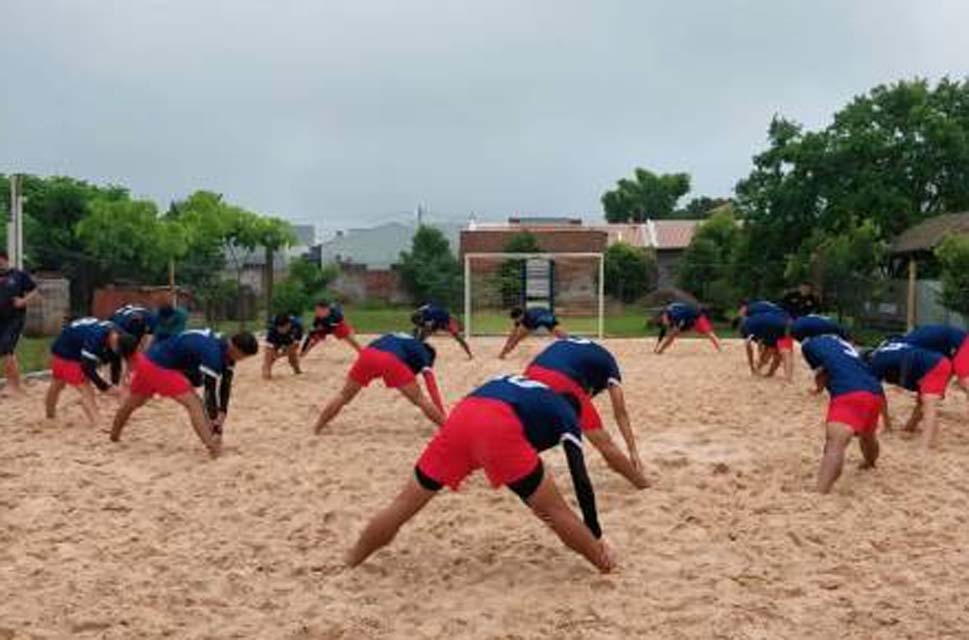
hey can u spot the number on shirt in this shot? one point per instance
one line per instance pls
(523, 382)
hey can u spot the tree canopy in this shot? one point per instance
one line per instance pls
(430, 270)
(646, 195)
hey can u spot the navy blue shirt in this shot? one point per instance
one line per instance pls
(536, 317)
(765, 328)
(682, 315)
(903, 364)
(587, 363)
(846, 371)
(813, 325)
(940, 338)
(411, 351)
(14, 283)
(85, 339)
(195, 353)
(757, 307)
(135, 320)
(434, 317)
(279, 339)
(546, 418)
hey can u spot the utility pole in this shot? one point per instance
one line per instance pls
(15, 224)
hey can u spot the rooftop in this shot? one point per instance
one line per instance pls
(927, 235)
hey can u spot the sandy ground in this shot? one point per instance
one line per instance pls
(149, 539)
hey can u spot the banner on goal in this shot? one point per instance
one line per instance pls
(570, 284)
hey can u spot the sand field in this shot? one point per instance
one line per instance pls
(150, 539)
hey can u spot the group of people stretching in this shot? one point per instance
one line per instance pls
(503, 425)
(923, 361)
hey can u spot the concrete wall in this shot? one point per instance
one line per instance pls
(356, 283)
(47, 312)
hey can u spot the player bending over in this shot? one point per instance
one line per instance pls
(430, 318)
(396, 358)
(501, 427)
(750, 308)
(282, 341)
(585, 369)
(172, 368)
(771, 332)
(678, 317)
(136, 321)
(328, 320)
(856, 401)
(527, 321)
(951, 342)
(919, 370)
(76, 354)
(814, 325)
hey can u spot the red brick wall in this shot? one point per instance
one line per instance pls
(550, 240)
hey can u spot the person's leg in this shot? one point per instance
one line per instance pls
(788, 359)
(89, 403)
(615, 458)
(913, 422)
(269, 358)
(200, 421)
(292, 354)
(666, 343)
(868, 442)
(347, 393)
(53, 394)
(11, 369)
(387, 522)
(549, 506)
(837, 438)
(930, 417)
(775, 363)
(712, 337)
(413, 392)
(131, 403)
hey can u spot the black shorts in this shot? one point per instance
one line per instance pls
(10, 330)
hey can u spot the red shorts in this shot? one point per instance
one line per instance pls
(557, 381)
(454, 326)
(67, 371)
(374, 363)
(859, 410)
(149, 379)
(480, 433)
(785, 344)
(703, 325)
(960, 363)
(936, 381)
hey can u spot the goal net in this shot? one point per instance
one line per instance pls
(570, 284)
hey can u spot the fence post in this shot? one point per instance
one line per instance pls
(911, 314)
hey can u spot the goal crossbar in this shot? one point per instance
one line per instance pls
(600, 257)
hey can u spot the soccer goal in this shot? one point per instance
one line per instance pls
(570, 284)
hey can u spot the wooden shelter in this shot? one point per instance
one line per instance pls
(919, 243)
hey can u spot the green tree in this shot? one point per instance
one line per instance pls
(953, 255)
(701, 207)
(708, 265)
(647, 195)
(630, 271)
(429, 270)
(895, 156)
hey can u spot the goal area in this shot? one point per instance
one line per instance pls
(570, 284)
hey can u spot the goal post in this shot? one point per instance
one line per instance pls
(571, 284)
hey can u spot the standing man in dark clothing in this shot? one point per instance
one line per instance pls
(802, 301)
(16, 291)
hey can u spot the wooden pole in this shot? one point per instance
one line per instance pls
(268, 277)
(911, 315)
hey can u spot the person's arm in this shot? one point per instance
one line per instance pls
(464, 345)
(25, 299)
(432, 390)
(211, 384)
(886, 416)
(115, 370)
(618, 399)
(352, 341)
(820, 381)
(89, 365)
(308, 341)
(583, 486)
(516, 336)
(667, 341)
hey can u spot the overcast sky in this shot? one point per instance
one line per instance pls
(346, 113)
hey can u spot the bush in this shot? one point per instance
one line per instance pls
(708, 264)
(953, 254)
(630, 271)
